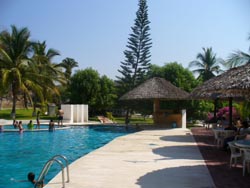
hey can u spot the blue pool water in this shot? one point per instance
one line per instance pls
(29, 151)
(25, 127)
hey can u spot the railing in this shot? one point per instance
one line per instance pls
(66, 162)
(47, 167)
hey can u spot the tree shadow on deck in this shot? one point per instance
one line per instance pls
(217, 162)
(177, 177)
(188, 152)
(178, 138)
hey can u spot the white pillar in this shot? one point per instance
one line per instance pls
(68, 112)
(75, 113)
(183, 119)
(82, 113)
(86, 113)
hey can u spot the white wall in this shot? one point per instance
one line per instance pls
(75, 113)
(184, 118)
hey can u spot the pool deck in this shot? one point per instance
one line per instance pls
(145, 159)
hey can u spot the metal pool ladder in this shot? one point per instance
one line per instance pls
(48, 164)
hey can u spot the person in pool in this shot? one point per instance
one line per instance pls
(30, 125)
(51, 125)
(20, 126)
(31, 178)
(15, 124)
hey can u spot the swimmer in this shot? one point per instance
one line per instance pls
(20, 126)
(51, 125)
(31, 178)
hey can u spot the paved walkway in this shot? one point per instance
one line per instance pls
(146, 159)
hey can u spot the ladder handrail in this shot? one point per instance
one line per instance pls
(67, 164)
(44, 171)
(47, 166)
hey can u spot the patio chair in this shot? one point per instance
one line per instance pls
(246, 160)
(235, 154)
(218, 139)
(240, 137)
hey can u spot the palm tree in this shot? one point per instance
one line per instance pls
(49, 72)
(68, 64)
(15, 48)
(238, 58)
(207, 63)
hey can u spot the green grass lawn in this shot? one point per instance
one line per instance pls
(22, 114)
(26, 114)
(133, 120)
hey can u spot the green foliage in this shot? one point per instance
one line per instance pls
(26, 68)
(87, 87)
(137, 55)
(207, 64)
(109, 115)
(68, 64)
(176, 74)
(144, 107)
(107, 94)
(15, 48)
(243, 109)
(155, 71)
(49, 74)
(199, 109)
(84, 87)
(238, 58)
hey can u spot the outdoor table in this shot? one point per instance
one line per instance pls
(243, 143)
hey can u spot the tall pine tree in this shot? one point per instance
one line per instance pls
(137, 57)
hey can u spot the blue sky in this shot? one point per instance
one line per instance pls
(95, 32)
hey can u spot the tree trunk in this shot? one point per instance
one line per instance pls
(1, 101)
(127, 117)
(34, 110)
(13, 112)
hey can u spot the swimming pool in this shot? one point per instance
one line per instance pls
(29, 151)
(10, 128)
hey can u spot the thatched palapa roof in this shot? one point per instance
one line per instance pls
(233, 83)
(155, 88)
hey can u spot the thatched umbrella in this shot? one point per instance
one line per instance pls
(155, 89)
(235, 83)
